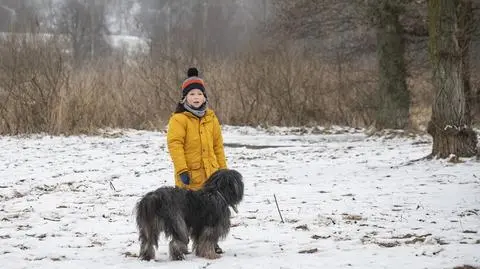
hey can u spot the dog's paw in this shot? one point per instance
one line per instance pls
(179, 257)
(145, 257)
(212, 256)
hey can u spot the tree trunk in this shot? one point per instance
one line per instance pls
(394, 98)
(449, 125)
(464, 35)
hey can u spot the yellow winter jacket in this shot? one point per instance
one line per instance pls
(195, 145)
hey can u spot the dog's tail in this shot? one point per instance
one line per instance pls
(146, 215)
(149, 225)
(156, 213)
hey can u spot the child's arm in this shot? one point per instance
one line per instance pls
(218, 144)
(175, 141)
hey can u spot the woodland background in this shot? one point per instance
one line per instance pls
(73, 66)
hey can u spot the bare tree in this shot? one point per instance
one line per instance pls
(196, 29)
(120, 19)
(7, 15)
(345, 26)
(468, 22)
(84, 22)
(392, 95)
(450, 124)
(167, 26)
(223, 27)
(310, 19)
(18, 16)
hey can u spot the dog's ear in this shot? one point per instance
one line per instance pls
(239, 189)
(229, 183)
(234, 187)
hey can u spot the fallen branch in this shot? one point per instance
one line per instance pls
(50, 219)
(308, 251)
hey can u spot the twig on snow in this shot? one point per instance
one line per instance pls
(112, 187)
(50, 219)
(278, 208)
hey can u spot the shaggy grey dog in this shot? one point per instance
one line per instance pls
(203, 215)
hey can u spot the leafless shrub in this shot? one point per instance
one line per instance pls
(32, 75)
(283, 86)
(279, 86)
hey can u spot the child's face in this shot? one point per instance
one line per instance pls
(195, 98)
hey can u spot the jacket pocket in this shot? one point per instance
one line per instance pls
(194, 166)
(197, 174)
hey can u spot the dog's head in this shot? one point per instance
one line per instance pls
(229, 183)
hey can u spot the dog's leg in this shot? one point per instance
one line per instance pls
(194, 243)
(149, 225)
(178, 246)
(149, 233)
(147, 251)
(177, 250)
(205, 247)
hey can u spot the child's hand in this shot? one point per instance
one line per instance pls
(185, 178)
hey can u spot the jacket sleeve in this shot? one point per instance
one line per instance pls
(176, 141)
(218, 144)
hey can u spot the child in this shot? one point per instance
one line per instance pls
(194, 137)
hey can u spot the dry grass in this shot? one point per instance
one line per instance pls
(41, 92)
(421, 90)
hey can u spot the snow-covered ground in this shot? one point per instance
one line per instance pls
(347, 200)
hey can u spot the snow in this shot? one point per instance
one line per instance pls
(129, 43)
(348, 200)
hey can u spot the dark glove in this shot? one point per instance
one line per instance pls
(185, 178)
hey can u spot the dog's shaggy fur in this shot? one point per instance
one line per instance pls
(203, 215)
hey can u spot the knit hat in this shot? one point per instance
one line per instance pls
(192, 82)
